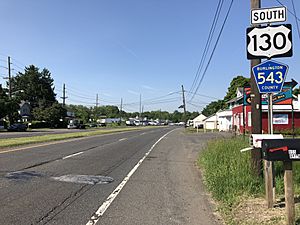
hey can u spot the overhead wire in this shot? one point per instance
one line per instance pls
(288, 10)
(297, 23)
(213, 51)
(208, 42)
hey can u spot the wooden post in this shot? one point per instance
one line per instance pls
(289, 193)
(269, 183)
(256, 114)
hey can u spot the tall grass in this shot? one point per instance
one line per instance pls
(228, 176)
(227, 171)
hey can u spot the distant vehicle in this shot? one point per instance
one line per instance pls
(105, 121)
(17, 127)
(181, 124)
(190, 123)
(76, 124)
(130, 122)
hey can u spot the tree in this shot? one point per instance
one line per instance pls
(53, 114)
(3, 103)
(213, 107)
(176, 116)
(37, 87)
(82, 112)
(296, 91)
(236, 82)
(8, 106)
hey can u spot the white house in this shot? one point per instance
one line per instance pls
(198, 121)
(25, 111)
(211, 122)
(224, 119)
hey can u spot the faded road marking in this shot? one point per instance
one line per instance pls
(101, 210)
(75, 154)
(123, 139)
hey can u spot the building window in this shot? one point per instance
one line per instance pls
(249, 119)
(280, 119)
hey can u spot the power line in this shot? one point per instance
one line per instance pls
(213, 51)
(201, 95)
(295, 18)
(288, 10)
(153, 99)
(207, 45)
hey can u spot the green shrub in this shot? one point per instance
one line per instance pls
(39, 124)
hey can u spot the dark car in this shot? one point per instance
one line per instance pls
(17, 127)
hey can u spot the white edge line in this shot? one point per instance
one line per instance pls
(69, 156)
(101, 210)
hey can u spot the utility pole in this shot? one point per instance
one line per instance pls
(140, 106)
(10, 119)
(64, 95)
(9, 78)
(121, 108)
(97, 100)
(256, 114)
(184, 107)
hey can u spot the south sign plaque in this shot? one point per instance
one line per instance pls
(268, 15)
(269, 41)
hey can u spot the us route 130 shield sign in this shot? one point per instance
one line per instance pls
(270, 76)
(269, 42)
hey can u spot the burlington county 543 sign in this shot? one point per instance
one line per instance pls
(270, 76)
(269, 41)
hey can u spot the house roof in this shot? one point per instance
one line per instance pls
(224, 113)
(211, 118)
(235, 99)
(199, 118)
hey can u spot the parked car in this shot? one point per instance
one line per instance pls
(76, 124)
(17, 127)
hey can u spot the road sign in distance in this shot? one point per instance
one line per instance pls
(268, 15)
(269, 42)
(270, 76)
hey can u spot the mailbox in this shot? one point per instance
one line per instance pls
(281, 149)
(256, 139)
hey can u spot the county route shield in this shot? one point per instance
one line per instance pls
(270, 76)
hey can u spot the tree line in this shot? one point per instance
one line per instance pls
(36, 87)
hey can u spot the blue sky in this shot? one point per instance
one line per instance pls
(127, 48)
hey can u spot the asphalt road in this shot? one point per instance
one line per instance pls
(138, 177)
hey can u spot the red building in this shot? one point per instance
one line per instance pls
(286, 111)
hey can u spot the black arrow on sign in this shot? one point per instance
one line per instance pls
(291, 84)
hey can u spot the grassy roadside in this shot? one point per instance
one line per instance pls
(240, 195)
(55, 137)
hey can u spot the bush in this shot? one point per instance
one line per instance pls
(39, 124)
